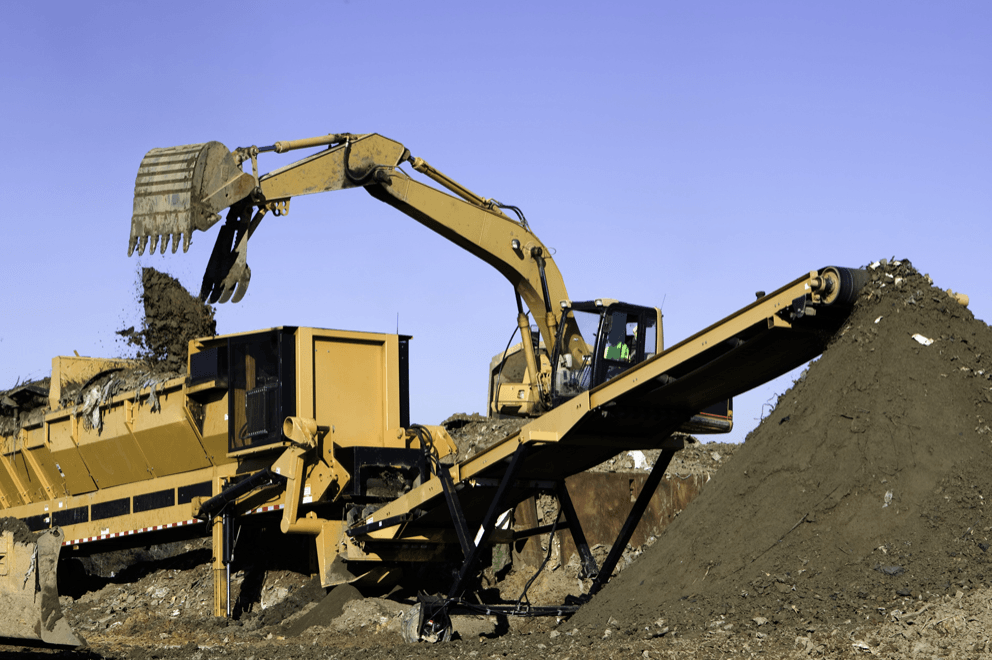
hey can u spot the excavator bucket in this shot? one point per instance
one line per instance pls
(181, 189)
(29, 595)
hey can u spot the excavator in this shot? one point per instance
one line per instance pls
(309, 430)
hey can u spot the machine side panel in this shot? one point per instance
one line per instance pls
(166, 438)
(111, 452)
(77, 477)
(352, 390)
(10, 491)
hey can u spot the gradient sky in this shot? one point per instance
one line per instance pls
(676, 154)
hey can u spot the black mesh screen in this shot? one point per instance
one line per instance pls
(103, 510)
(75, 516)
(262, 378)
(157, 500)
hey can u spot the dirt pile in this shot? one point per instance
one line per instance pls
(474, 433)
(172, 318)
(863, 494)
(25, 403)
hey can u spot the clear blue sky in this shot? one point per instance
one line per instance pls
(675, 153)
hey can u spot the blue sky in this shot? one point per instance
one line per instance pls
(682, 155)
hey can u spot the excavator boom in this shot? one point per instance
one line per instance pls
(181, 190)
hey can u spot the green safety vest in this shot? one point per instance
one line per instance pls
(619, 352)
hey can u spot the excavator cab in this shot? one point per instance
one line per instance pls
(599, 340)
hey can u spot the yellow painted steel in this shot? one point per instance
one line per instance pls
(220, 575)
(761, 311)
(61, 471)
(348, 381)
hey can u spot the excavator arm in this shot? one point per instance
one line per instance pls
(183, 189)
(180, 190)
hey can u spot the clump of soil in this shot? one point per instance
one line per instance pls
(18, 529)
(862, 494)
(173, 317)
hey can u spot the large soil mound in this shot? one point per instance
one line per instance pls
(865, 487)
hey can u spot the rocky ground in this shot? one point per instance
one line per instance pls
(851, 523)
(157, 602)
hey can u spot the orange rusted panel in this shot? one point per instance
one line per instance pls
(602, 502)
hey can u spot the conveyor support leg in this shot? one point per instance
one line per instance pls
(222, 564)
(640, 505)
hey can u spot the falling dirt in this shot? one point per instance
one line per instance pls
(172, 318)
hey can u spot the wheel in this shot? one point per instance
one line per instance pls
(413, 627)
(410, 624)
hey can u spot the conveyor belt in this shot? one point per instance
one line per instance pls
(643, 407)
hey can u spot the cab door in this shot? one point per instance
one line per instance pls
(627, 336)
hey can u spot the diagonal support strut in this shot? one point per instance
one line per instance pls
(650, 486)
(489, 522)
(589, 567)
